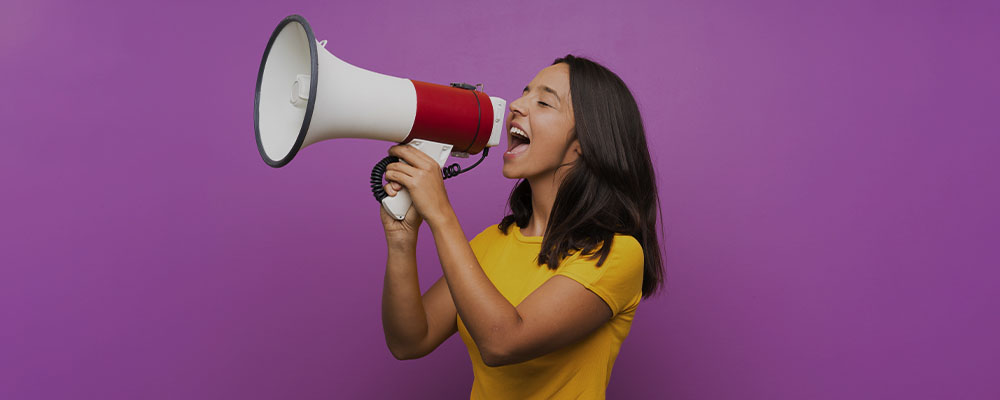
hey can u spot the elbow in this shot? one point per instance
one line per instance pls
(403, 353)
(494, 357)
(502, 349)
(399, 355)
(494, 362)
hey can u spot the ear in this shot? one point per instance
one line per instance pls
(573, 152)
(574, 147)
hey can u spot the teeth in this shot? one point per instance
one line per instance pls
(515, 131)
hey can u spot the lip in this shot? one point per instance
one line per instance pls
(509, 157)
(515, 124)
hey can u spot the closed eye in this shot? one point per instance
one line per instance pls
(543, 103)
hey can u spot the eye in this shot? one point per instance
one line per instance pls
(543, 103)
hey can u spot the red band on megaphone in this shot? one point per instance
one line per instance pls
(461, 117)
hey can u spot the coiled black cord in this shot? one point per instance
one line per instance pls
(453, 170)
(377, 177)
(378, 173)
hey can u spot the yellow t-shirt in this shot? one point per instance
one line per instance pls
(579, 370)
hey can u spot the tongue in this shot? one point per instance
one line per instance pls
(519, 148)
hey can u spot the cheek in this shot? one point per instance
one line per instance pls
(549, 150)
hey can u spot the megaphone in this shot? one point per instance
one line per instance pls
(306, 95)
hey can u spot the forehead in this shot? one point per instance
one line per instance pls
(554, 76)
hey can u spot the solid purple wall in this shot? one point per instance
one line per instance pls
(828, 176)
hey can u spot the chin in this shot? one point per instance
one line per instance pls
(510, 173)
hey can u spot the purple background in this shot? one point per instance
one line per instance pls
(828, 174)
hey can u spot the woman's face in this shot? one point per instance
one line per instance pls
(544, 113)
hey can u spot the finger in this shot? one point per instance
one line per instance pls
(412, 156)
(403, 168)
(396, 186)
(389, 190)
(399, 177)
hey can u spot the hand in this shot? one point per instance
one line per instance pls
(421, 176)
(400, 232)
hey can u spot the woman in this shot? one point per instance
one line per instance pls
(544, 299)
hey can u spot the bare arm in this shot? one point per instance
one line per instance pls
(413, 325)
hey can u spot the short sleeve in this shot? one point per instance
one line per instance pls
(618, 281)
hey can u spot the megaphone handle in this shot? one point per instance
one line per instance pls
(398, 205)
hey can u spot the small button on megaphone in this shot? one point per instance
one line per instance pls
(305, 95)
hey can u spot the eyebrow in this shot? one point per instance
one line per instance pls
(545, 89)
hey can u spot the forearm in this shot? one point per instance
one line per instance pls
(488, 316)
(404, 320)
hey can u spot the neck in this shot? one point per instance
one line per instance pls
(543, 196)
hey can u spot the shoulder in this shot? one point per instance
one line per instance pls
(626, 244)
(625, 249)
(625, 253)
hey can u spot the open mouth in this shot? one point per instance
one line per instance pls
(518, 142)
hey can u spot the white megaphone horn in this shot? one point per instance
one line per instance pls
(306, 95)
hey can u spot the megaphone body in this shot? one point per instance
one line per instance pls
(306, 95)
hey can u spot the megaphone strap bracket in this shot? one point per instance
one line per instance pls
(463, 85)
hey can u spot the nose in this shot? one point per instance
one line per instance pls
(516, 106)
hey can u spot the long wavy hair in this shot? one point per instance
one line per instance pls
(610, 189)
